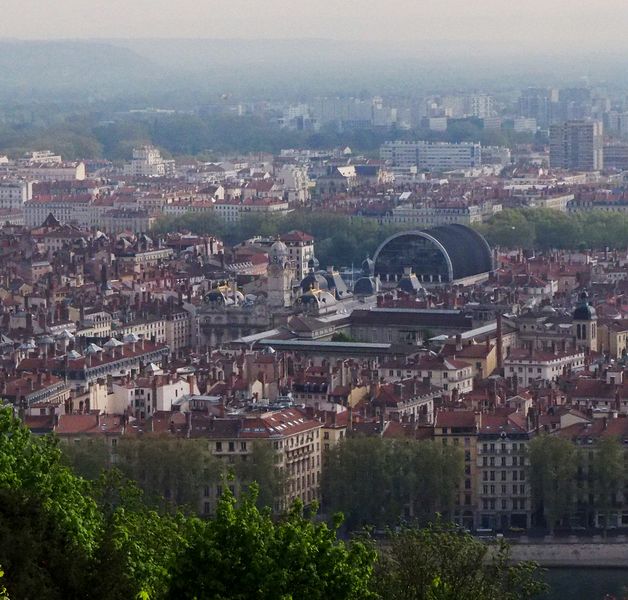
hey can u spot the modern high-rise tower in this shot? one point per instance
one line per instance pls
(577, 145)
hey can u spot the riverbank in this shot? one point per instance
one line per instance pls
(573, 553)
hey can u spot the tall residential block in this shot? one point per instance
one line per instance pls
(577, 145)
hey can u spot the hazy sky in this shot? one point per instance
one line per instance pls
(551, 24)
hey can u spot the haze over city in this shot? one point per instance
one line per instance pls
(313, 300)
(557, 26)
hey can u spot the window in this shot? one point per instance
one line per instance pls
(243, 446)
(218, 446)
(231, 446)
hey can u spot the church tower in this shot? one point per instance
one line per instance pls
(280, 276)
(585, 325)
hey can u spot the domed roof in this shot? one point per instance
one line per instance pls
(313, 281)
(365, 286)
(368, 267)
(214, 296)
(279, 248)
(320, 298)
(278, 253)
(313, 263)
(584, 311)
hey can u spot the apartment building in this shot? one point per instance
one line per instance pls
(13, 194)
(537, 366)
(577, 145)
(504, 492)
(460, 429)
(148, 162)
(432, 156)
(295, 439)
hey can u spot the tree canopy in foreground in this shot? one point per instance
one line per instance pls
(64, 537)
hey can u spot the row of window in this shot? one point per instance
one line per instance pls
(491, 504)
(231, 447)
(516, 475)
(516, 489)
(503, 461)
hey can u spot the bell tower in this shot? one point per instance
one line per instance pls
(280, 276)
(584, 324)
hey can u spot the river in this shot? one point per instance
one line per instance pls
(586, 584)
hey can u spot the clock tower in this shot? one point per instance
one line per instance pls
(280, 276)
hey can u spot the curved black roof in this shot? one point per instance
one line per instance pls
(463, 250)
(468, 251)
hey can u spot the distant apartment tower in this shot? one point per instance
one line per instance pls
(13, 194)
(148, 162)
(432, 156)
(480, 106)
(539, 104)
(577, 145)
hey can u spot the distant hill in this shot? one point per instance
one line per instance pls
(66, 68)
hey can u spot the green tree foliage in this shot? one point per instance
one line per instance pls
(259, 468)
(243, 554)
(49, 524)
(170, 471)
(140, 546)
(42, 558)
(443, 563)
(339, 241)
(32, 466)
(553, 467)
(86, 458)
(608, 475)
(546, 228)
(379, 482)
